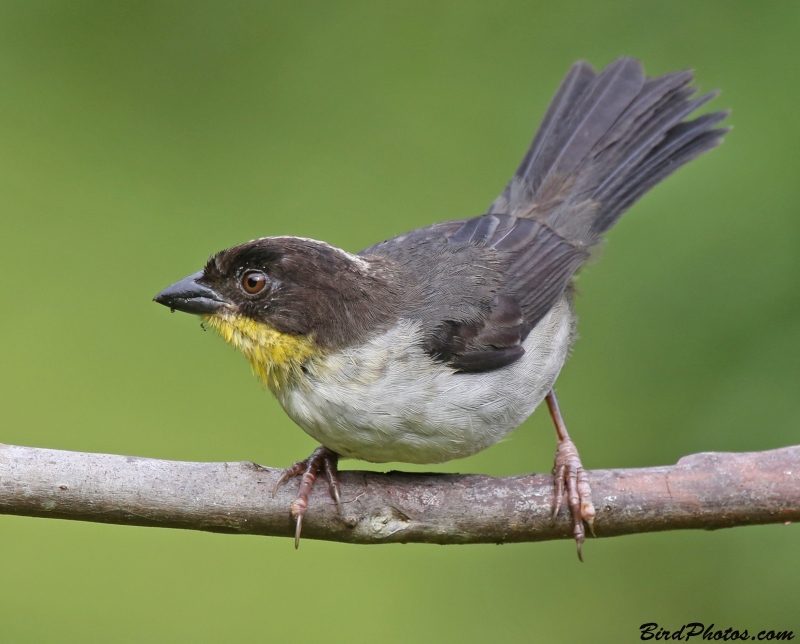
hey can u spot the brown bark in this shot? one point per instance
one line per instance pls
(708, 491)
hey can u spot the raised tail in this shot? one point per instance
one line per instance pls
(605, 140)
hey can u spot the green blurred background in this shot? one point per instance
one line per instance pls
(137, 138)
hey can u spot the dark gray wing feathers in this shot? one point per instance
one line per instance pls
(605, 140)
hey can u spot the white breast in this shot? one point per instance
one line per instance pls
(389, 401)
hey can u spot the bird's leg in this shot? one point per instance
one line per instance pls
(569, 475)
(321, 460)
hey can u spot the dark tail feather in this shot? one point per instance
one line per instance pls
(683, 143)
(569, 92)
(605, 140)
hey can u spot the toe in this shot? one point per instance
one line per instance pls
(322, 460)
(570, 477)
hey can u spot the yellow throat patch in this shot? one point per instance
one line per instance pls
(276, 358)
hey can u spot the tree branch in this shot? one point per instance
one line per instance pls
(707, 491)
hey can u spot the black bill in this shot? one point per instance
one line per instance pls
(191, 296)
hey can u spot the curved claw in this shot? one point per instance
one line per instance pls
(295, 469)
(332, 474)
(284, 477)
(297, 530)
(321, 460)
(337, 499)
(558, 497)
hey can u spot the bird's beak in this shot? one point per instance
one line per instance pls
(191, 296)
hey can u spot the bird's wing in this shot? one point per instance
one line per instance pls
(479, 286)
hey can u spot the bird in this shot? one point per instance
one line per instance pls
(435, 344)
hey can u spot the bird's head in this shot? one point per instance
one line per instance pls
(282, 301)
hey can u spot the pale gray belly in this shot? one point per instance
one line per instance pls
(389, 401)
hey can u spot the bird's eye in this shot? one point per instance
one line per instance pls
(253, 282)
